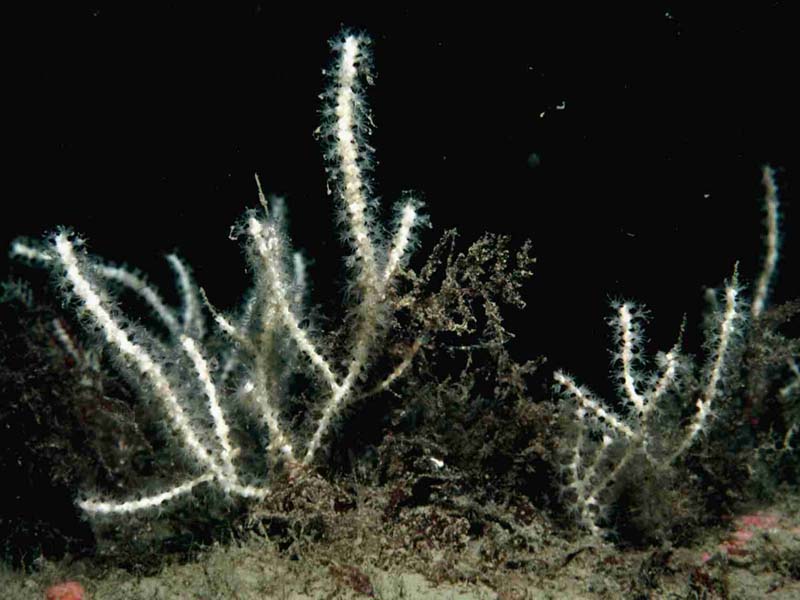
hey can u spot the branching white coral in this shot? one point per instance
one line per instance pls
(177, 371)
(607, 441)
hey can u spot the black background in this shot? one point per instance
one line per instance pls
(141, 128)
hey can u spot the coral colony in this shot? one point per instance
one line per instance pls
(594, 466)
(161, 368)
